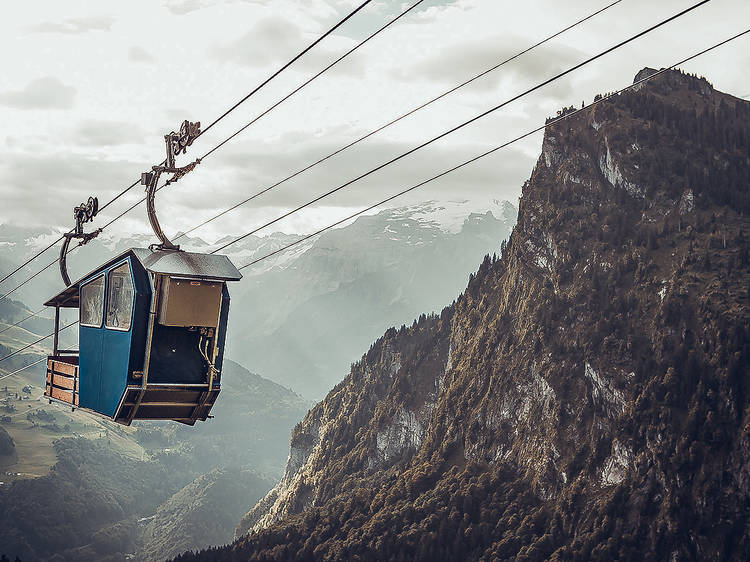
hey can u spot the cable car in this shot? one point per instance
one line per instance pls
(152, 322)
(152, 327)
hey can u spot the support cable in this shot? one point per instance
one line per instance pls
(56, 260)
(493, 150)
(45, 268)
(314, 77)
(287, 65)
(216, 121)
(23, 368)
(464, 124)
(393, 121)
(22, 320)
(53, 244)
(24, 348)
(32, 258)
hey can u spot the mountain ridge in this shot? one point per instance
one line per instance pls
(585, 398)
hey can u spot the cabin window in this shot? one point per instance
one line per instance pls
(92, 302)
(120, 298)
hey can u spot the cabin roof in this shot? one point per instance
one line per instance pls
(166, 262)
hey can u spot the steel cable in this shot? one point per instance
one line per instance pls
(462, 125)
(493, 150)
(393, 121)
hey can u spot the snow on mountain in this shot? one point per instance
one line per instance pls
(385, 267)
(451, 215)
(307, 316)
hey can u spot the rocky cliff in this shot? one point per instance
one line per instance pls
(585, 398)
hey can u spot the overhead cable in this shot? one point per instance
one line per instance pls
(52, 244)
(462, 125)
(393, 121)
(222, 116)
(23, 368)
(45, 268)
(24, 348)
(22, 320)
(31, 259)
(287, 65)
(315, 76)
(551, 123)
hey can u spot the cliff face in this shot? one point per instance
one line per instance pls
(586, 397)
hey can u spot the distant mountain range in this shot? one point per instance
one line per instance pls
(301, 317)
(304, 321)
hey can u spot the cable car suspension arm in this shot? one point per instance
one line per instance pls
(84, 213)
(176, 143)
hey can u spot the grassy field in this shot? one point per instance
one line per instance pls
(34, 439)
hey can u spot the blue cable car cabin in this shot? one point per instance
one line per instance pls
(152, 328)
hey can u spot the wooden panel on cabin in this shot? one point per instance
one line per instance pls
(63, 395)
(189, 302)
(64, 367)
(146, 412)
(62, 381)
(177, 395)
(163, 395)
(178, 404)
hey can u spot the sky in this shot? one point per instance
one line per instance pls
(88, 90)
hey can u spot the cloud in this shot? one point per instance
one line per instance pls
(427, 12)
(176, 116)
(42, 93)
(76, 25)
(107, 133)
(273, 41)
(182, 7)
(256, 167)
(270, 40)
(44, 188)
(139, 54)
(456, 63)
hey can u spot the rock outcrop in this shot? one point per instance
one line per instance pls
(586, 397)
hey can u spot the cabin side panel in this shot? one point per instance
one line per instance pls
(222, 335)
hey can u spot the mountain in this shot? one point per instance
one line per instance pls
(250, 428)
(149, 491)
(327, 298)
(86, 507)
(7, 446)
(585, 398)
(202, 513)
(304, 321)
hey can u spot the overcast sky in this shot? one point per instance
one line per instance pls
(88, 89)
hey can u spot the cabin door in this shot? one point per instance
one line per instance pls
(90, 332)
(117, 337)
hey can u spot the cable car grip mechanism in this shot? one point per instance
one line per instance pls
(176, 143)
(83, 213)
